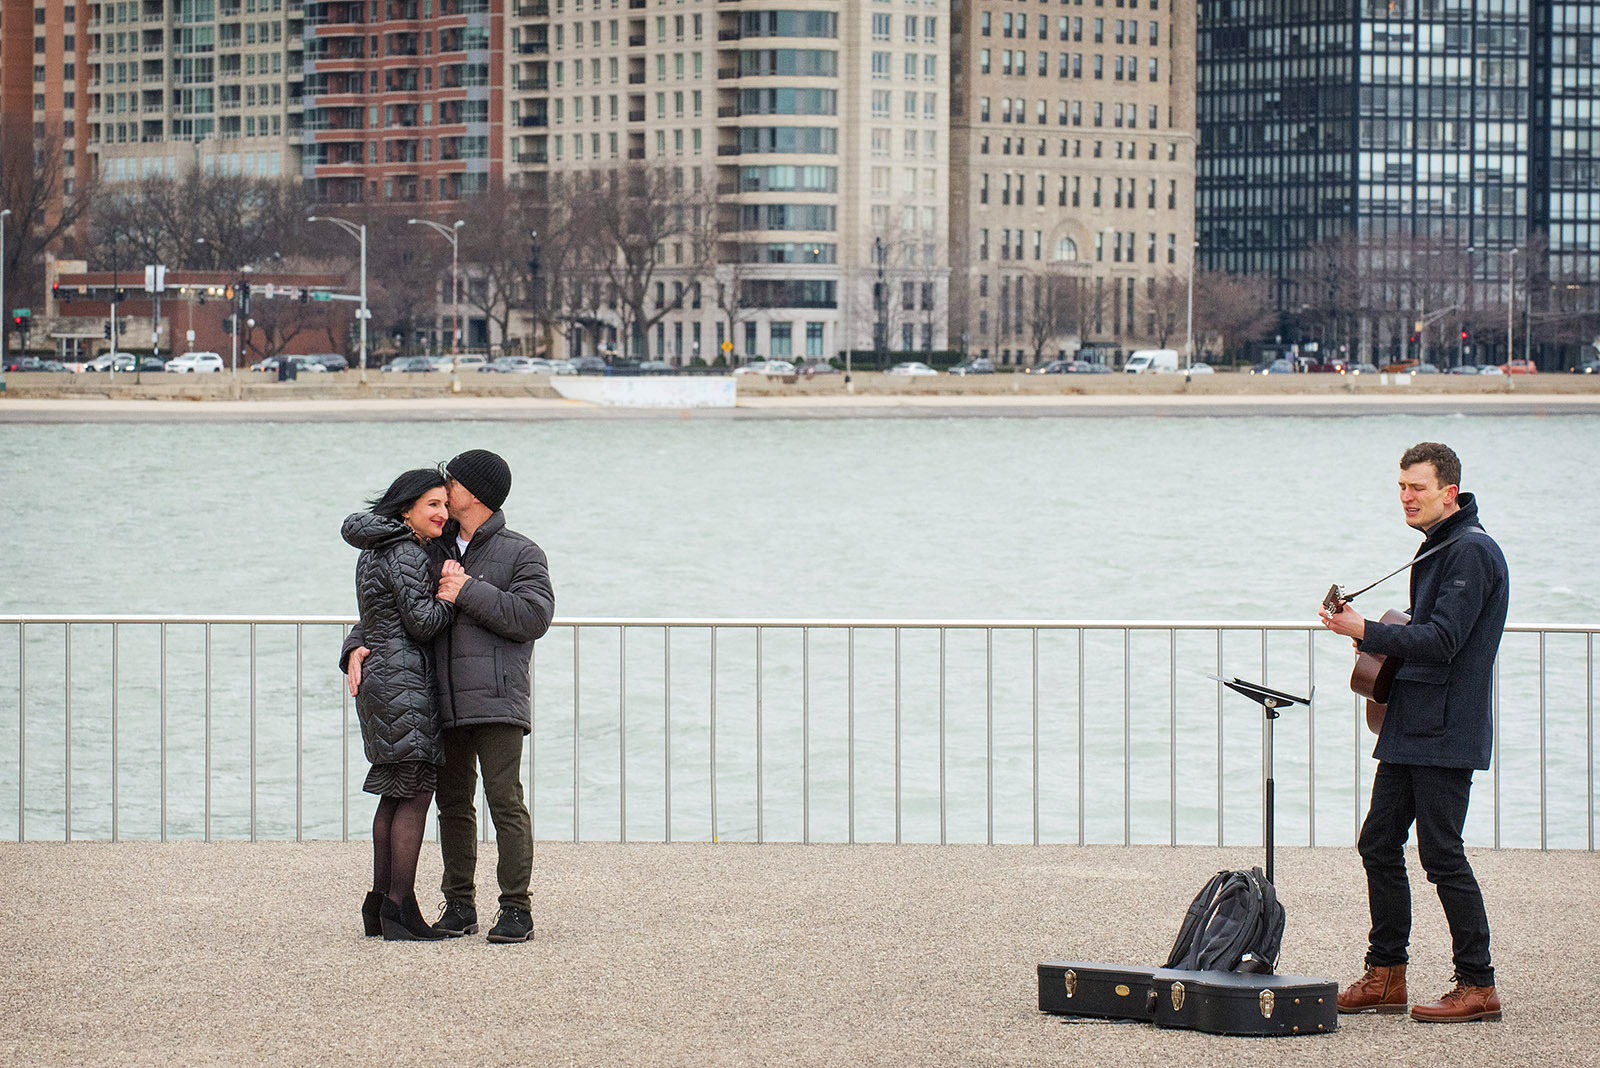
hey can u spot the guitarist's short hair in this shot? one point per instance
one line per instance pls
(1446, 464)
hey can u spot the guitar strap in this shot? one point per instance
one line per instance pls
(1415, 560)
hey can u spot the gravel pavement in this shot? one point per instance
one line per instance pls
(699, 954)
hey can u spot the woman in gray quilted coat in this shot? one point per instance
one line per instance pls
(397, 578)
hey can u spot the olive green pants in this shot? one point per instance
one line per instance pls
(497, 749)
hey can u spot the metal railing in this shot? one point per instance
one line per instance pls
(770, 730)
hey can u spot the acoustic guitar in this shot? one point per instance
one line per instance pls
(1373, 675)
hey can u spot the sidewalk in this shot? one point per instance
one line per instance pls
(697, 955)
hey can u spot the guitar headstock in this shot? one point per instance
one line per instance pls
(1335, 601)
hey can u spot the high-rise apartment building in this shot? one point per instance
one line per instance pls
(403, 99)
(1072, 148)
(44, 78)
(1439, 140)
(208, 84)
(814, 132)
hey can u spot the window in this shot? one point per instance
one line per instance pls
(780, 335)
(880, 27)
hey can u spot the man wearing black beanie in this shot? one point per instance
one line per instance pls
(499, 582)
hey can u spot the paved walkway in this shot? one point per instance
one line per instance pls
(695, 955)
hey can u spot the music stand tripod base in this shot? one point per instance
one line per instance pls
(1271, 701)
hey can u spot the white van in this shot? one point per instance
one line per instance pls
(195, 363)
(1149, 361)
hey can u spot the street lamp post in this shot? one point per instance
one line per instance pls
(1188, 343)
(359, 232)
(452, 234)
(1511, 305)
(880, 303)
(5, 214)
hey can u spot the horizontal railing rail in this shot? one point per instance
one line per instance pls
(759, 729)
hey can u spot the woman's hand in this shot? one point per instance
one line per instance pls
(452, 576)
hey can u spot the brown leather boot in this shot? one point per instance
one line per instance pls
(1381, 990)
(1460, 1005)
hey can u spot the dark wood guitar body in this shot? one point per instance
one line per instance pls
(1373, 675)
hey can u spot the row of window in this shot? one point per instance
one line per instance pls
(914, 181)
(1068, 191)
(1070, 65)
(882, 65)
(913, 143)
(1123, 31)
(1069, 113)
(1015, 243)
(881, 25)
(1073, 148)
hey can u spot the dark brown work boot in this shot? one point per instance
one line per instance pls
(1381, 990)
(1460, 1005)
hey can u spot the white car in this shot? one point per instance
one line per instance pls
(562, 367)
(196, 363)
(113, 361)
(911, 367)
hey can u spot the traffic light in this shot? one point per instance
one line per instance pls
(1414, 339)
(244, 295)
(106, 330)
(305, 295)
(17, 321)
(1463, 335)
(227, 291)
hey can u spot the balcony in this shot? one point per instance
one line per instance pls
(537, 156)
(636, 78)
(534, 48)
(636, 116)
(534, 120)
(636, 40)
(636, 153)
(532, 9)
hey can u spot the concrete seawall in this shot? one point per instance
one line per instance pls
(697, 954)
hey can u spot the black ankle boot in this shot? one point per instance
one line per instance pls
(371, 926)
(404, 922)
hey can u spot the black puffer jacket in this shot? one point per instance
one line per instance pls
(396, 582)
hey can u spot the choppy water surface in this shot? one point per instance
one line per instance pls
(1136, 518)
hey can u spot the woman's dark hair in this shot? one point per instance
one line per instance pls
(404, 491)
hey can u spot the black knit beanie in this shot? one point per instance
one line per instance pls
(484, 475)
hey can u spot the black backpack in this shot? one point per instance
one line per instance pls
(1235, 924)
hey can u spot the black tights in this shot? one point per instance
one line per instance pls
(397, 829)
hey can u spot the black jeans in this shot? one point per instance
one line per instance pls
(1435, 799)
(496, 748)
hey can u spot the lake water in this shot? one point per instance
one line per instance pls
(1099, 519)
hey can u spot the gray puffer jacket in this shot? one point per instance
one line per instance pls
(396, 582)
(482, 660)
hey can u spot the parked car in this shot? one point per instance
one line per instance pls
(512, 365)
(1201, 369)
(911, 367)
(152, 363)
(979, 365)
(1519, 367)
(655, 367)
(113, 361)
(469, 362)
(754, 367)
(1363, 369)
(818, 367)
(1087, 367)
(330, 361)
(589, 365)
(1490, 369)
(302, 364)
(1398, 366)
(562, 367)
(409, 365)
(1465, 369)
(196, 363)
(1590, 368)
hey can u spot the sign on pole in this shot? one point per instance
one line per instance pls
(155, 278)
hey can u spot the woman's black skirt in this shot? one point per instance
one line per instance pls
(407, 778)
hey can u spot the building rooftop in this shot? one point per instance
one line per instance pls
(190, 953)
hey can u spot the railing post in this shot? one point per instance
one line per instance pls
(666, 729)
(988, 719)
(622, 735)
(22, 732)
(1082, 760)
(850, 735)
(115, 637)
(760, 806)
(208, 732)
(805, 735)
(67, 729)
(252, 732)
(344, 751)
(163, 732)
(713, 737)
(577, 679)
(943, 829)
(299, 733)
(1035, 735)
(897, 736)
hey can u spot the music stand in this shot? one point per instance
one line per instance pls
(1270, 701)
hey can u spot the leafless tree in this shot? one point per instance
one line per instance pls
(496, 244)
(280, 320)
(203, 221)
(1167, 302)
(1051, 304)
(1231, 310)
(643, 230)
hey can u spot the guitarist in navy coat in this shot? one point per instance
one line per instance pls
(1437, 730)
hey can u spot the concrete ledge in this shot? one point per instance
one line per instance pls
(705, 955)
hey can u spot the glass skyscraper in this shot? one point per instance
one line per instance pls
(1372, 156)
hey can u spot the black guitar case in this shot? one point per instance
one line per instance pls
(1238, 1003)
(1108, 991)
